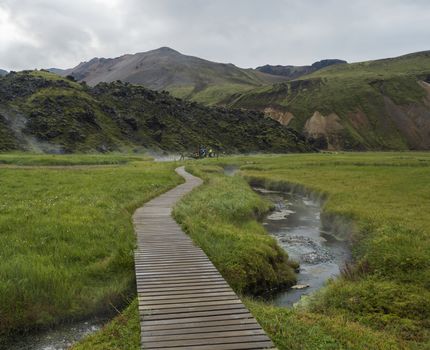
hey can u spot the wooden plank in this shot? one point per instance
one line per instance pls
(198, 341)
(248, 346)
(201, 329)
(184, 302)
(203, 335)
(194, 314)
(194, 308)
(148, 306)
(198, 324)
(144, 297)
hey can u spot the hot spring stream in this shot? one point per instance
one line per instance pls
(296, 224)
(60, 338)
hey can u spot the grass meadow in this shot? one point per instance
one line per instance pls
(381, 301)
(67, 237)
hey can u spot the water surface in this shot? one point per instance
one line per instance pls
(296, 224)
(60, 338)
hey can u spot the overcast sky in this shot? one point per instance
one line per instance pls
(248, 33)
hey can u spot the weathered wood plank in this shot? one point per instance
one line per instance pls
(184, 302)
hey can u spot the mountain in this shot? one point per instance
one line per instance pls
(374, 105)
(41, 111)
(58, 71)
(3, 72)
(294, 72)
(166, 69)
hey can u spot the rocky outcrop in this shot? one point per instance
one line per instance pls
(283, 118)
(324, 130)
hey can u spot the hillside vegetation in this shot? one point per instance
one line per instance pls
(42, 111)
(382, 104)
(294, 72)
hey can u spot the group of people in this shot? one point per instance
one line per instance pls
(202, 152)
(206, 152)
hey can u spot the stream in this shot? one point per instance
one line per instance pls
(59, 338)
(295, 222)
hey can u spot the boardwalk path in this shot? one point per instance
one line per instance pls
(184, 302)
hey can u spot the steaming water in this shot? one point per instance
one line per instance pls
(296, 224)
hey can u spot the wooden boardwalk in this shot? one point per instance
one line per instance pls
(184, 302)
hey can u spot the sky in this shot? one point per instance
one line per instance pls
(248, 33)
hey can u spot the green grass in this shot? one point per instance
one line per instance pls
(28, 159)
(221, 218)
(216, 94)
(385, 196)
(303, 330)
(69, 236)
(380, 302)
(122, 333)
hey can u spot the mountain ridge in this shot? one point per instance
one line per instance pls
(380, 104)
(167, 69)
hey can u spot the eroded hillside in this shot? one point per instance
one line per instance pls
(383, 104)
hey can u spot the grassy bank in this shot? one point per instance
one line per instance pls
(221, 218)
(304, 330)
(122, 333)
(69, 238)
(386, 196)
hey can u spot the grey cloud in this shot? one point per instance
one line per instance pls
(61, 33)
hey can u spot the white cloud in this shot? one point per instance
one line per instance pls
(61, 33)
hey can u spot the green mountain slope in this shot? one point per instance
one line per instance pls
(45, 112)
(166, 69)
(382, 104)
(294, 72)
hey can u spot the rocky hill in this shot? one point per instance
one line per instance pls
(41, 111)
(294, 72)
(166, 69)
(2, 72)
(375, 105)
